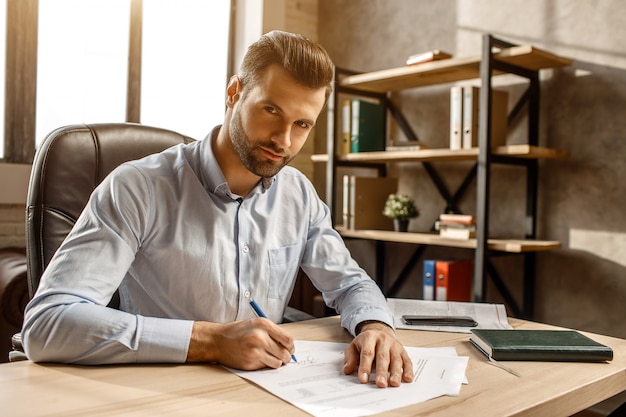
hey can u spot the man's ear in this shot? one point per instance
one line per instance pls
(233, 90)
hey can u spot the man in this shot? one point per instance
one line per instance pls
(191, 235)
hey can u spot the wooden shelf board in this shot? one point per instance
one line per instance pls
(527, 56)
(443, 154)
(411, 76)
(528, 151)
(504, 245)
(319, 157)
(450, 70)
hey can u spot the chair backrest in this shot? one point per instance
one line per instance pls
(68, 165)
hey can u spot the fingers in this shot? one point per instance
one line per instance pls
(366, 360)
(280, 344)
(248, 345)
(276, 345)
(407, 367)
(400, 369)
(380, 352)
(351, 359)
(280, 336)
(393, 365)
(359, 359)
(382, 366)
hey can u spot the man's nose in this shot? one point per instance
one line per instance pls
(282, 137)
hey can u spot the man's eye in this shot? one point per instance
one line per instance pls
(271, 110)
(303, 125)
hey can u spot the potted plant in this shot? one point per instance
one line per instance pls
(401, 209)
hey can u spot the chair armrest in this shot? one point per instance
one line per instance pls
(13, 286)
(17, 354)
(13, 297)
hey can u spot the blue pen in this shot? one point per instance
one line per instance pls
(261, 314)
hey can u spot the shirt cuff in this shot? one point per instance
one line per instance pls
(352, 324)
(164, 340)
(359, 326)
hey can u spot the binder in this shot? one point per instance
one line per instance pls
(454, 280)
(345, 204)
(367, 130)
(456, 117)
(428, 280)
(366, 197)
(345, 127)
(471, 114)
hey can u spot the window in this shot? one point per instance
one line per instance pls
(76, 69)
(82, 62)
(184, 64)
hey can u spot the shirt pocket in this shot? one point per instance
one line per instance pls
(284, 263)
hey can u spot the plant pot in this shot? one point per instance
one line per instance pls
(401, 225)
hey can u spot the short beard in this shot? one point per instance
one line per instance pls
(246, 151)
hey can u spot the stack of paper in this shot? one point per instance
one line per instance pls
(317, 384)
(488, 316)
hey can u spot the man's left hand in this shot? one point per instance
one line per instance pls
(378, 345)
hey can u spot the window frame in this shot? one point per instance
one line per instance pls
(21, 69)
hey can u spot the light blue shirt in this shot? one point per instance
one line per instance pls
(181, 247)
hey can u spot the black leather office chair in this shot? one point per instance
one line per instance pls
(69, 164)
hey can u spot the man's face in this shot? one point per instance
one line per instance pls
(271, 123)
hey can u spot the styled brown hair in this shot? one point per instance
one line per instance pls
(305, 60)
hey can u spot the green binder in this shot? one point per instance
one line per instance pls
(367, 130)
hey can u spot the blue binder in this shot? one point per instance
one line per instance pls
(429, 279)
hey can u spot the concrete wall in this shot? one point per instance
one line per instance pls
(581, 199)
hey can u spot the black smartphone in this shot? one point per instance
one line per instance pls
(458, 321)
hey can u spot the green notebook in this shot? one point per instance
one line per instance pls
(539, 345)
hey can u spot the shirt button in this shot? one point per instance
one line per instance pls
(246, 294)
(246, 249)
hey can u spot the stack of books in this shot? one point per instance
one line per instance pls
(456, 226)
(428, 56)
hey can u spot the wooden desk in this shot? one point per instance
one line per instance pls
(544, 389)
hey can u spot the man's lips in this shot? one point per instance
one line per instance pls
(271, 154)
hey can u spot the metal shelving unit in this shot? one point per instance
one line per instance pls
(498, 57)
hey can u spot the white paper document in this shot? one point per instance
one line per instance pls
(488, 316)
(317, 384)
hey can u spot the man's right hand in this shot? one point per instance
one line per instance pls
(248, 345)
